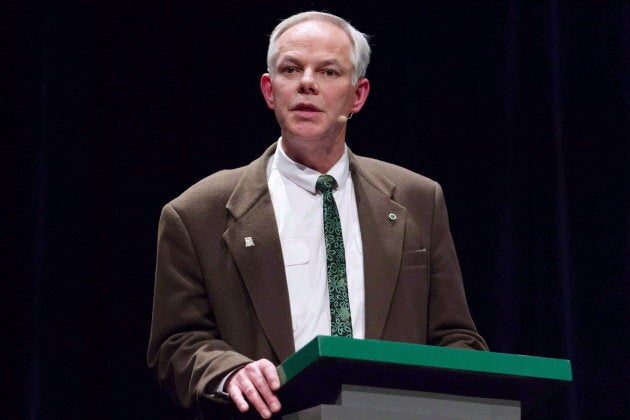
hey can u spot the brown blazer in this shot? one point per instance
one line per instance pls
(219, 304)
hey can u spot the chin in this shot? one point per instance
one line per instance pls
(307, 133)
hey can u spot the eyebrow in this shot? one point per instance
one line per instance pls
(294, 60)
(331, 62)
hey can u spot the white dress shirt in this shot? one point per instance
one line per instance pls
(298, 210)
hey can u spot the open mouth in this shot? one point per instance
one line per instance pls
(306, 108)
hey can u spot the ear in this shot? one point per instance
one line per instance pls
(267, 89)
(361, 93)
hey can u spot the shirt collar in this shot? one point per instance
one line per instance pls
(306, 177)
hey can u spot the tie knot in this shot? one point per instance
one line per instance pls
(325, 183)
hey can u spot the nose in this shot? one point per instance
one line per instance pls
(308, 84)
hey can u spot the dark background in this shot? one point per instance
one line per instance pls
(520, 109)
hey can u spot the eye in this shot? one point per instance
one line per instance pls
(331, 72)
(289, 69)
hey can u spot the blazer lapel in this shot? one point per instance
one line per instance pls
(255, 245)
(382, 223)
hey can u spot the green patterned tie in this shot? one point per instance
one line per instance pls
(340, 320)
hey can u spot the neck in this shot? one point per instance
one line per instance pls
(318, 155)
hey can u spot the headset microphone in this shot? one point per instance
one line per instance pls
(343, 118)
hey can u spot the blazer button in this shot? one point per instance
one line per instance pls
(392, 216)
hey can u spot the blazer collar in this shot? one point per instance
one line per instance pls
(382, 223)
(253, 240)
(252, 185)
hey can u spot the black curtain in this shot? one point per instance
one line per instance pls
(520, 109)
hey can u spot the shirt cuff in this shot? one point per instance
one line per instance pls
(219, 390)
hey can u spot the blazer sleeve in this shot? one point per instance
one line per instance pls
(185, 352)
(450, 322)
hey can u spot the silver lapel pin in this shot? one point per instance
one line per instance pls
(249, 242)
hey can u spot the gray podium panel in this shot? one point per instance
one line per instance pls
(373, 403)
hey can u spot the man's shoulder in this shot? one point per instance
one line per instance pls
(213, 190)
(217, 188)
(398, 175)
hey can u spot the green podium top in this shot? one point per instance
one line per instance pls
(422, 355)
(326, 362)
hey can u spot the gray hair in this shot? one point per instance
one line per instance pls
(359, 55)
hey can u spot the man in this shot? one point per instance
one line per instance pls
(243, 275)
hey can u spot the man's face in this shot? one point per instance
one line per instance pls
(310, 84)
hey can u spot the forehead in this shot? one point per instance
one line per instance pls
(315, 37)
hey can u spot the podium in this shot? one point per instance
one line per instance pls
(342, 378)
